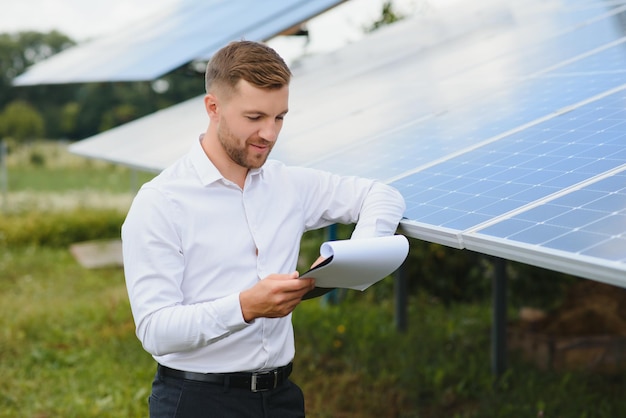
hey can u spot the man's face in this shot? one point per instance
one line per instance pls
(249, 123)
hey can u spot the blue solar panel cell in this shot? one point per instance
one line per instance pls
(459, 222)
(530, 234)
(580, 199)
(612, 250)
(589, 221)
(576, 216)
(563, 181)
(615, 202)
(534, 193)
(574, 241)
(609, 225)
(538, 214)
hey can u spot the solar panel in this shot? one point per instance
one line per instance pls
(553, 194)
(520, 168)
(581, 232)
(187, 31)
(439, 102)
(166, 135)
(506, 137)
(171, 131)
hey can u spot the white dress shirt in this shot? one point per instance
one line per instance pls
(192, 241)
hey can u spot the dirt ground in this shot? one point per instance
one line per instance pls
(589, 308)
(587, 332)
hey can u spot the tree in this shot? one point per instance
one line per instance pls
(21, 50)
(21, 121)
(388, 16)
(77, 111)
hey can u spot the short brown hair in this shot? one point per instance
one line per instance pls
(254, 62)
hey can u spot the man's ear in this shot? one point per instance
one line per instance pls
(211, 105)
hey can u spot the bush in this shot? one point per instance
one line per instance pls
(22, 121)
(37, 159)
(58, 229)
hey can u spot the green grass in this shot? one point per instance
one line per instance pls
(48, 166)
(107, 179)
(68, 349)
(45, 176)
(67, 342)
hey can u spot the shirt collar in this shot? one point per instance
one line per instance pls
(207, 172)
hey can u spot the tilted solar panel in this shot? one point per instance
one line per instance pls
(400, 115)
(580, 233)
(507, 138)
(520, 168)
(558, 185)
(187, 31)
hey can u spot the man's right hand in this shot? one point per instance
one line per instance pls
(275, 296)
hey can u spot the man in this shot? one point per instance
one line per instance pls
(211, 246)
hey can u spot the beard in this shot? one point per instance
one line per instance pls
(242, 155)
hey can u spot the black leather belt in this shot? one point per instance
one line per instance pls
(255, 382)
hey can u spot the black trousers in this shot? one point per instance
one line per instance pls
(179, 398)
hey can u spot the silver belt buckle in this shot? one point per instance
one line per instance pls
(253, 382)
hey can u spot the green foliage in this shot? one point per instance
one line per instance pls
(351, 362)
(447, 273)
(37, 159)
(21, 50)
(454, 276)
(118, 115)
(534, 286)
(47, 166)
(69, 118)
(21, 121)
(77, 111)
(387, 17)
(41, 178)
(59, 229)
(67, 341)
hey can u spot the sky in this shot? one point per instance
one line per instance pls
(78, 19)
(82, 20)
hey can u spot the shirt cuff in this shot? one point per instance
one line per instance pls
(229, 311)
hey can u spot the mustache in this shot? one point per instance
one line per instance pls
(260, 142)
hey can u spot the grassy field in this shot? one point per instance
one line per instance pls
(68, 349)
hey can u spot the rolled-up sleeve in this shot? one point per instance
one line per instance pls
(380, 213)
(375, 207)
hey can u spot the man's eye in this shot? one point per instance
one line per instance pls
(253, 117)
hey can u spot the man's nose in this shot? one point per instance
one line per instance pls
(269, 131)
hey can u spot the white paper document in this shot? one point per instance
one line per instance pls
(358, 263)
